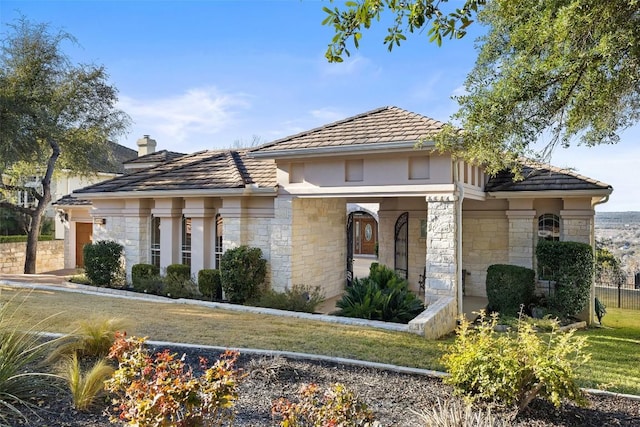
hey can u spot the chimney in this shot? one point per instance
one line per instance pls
(146, 146)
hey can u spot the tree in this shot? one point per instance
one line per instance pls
(54, 115)
(561, 70)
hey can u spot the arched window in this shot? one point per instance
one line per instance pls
(549, 227)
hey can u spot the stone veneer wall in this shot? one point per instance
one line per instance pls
(522, 232)
(50, 256)
(576, 229)
(441, 259)
(281, 239)
(319, 244)
(485, 241)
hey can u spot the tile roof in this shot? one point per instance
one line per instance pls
(543, 177)
(156, 157)
(383, 125)
(70, 200)
(205, 170)
(117, 155)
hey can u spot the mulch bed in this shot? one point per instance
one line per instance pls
(392, 396)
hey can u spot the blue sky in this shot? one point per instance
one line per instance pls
(207, 74)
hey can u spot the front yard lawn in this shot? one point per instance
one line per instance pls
(615, 348)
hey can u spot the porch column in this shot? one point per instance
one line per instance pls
(201, 212)
(441, 260)
(522, 227)
(170, 213)
(576, 226)
(281, 244)
(136, 238)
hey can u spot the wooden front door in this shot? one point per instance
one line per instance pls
(368, 236)
(84, 235)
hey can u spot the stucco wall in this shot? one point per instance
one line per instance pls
(50, 257)
(319, 244)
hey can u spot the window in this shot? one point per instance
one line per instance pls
(218, 248)
(549, 227)
(186, 240)
(155, 241)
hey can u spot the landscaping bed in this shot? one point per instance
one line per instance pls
(392, 396)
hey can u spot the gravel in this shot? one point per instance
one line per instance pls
(392, 396)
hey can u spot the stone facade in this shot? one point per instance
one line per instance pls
(577, 226)
(485, 241)
(522, 230)
(280, 241)
(441, 257)
(50, 256)
(319, 244)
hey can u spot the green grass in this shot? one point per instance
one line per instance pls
(615, 353)
(615, 348)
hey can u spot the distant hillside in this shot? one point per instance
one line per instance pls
(620, 233)
(617, 219)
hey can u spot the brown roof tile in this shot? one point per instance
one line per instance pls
(205, 170)
(386, 124)
(543, 177)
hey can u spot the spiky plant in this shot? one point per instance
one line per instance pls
(20, 347)
(455, 413)
(92, 338)
(85, 385)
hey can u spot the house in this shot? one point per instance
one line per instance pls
(436, 218)
(75, 223)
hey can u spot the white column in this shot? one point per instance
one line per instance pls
(170, 213)
(202, 213)
(441, 259)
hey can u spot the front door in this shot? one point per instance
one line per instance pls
(368, 236)
(84, 235)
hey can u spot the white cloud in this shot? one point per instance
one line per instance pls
(178, 119)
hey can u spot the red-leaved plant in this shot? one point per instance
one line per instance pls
(336, 406)
(161, 390)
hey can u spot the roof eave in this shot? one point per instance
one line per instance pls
(549, 193)
(157, 194)
(373, 148)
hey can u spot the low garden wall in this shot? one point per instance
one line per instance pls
(50, 256)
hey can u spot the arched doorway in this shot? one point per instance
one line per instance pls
(401, 240)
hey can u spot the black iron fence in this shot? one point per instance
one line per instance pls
(623, 295)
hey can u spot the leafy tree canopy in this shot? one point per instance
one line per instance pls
(562, 71)
(54, 114)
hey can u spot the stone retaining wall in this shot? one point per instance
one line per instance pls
(50, 257)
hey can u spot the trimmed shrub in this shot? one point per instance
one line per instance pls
(21, 238)
(181, 271)
(209, 284)
(508, 287)
(103, 263)
(514, 368)
(242, 272)
(383, 295)
(569, 265)
(299, 298)
(176, 286)
(140, 273)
